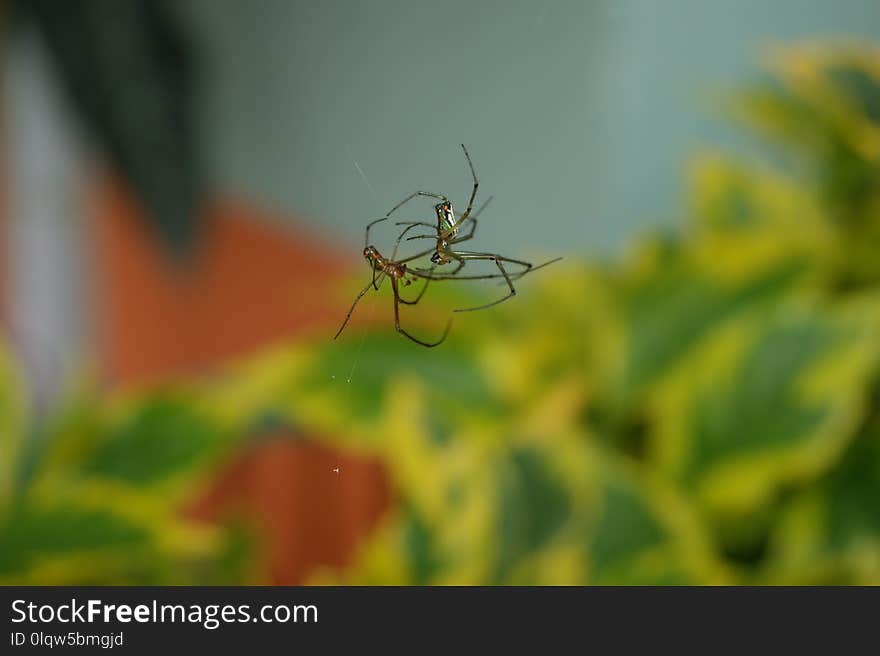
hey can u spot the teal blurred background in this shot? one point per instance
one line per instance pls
(579, 115)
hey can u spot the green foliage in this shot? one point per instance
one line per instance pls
(705, 410)
(11, 424)
(102, 499)
(159, 439)
(38, 534)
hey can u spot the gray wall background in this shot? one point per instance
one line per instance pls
(579, 115)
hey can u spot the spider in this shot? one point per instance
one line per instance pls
(400, 274)
(447, 234)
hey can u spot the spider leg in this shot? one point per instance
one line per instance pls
(474, 255)
(426, 274)
(367, 231)
(473, 220)
(449, 253)
(497, 259)
(378, 280)
(463, 256)
(470, 235)
(455, 240)
(467, 212)
(400, 329)
(517, 276)
(543, 264)
(421, 293)
(414, 195)
(409, 226)
(417, 256)
(351, 309)
(439, 235)
(454, 256)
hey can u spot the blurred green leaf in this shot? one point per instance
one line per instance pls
(774, 404)
(420, 545)
(625, 529)
(760, 409)
(12, 425)
(851, 515)
(830, 533)
(347, 383)
(667, 314)
(533, 506)
(859, 85)
(163, 437)
(32, 534)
